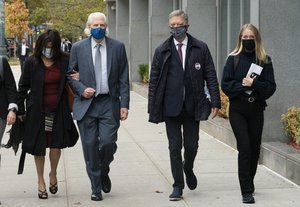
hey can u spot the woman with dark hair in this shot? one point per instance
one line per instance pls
(247, 95)
(49, 122)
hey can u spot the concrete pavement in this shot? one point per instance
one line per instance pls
(141, 175)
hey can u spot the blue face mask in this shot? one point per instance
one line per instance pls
(178, 32)
(47, 52)
(98, 33)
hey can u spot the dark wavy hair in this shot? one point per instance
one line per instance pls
(45, 38)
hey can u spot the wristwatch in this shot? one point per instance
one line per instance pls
(13, 110)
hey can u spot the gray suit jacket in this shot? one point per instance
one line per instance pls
(117, 72)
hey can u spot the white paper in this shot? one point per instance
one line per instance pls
(253, 72)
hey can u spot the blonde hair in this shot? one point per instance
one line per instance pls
(259, 49)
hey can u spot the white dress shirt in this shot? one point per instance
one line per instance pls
(23, 49)
(183, 49)
(104, 84)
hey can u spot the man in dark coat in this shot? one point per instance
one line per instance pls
(182, 67)
(23, 52)
(8, 96)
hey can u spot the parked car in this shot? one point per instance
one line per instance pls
(10, 46)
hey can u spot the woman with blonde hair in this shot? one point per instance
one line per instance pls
(247, 95)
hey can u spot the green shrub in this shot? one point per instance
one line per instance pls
(291, 124)
(144, 72)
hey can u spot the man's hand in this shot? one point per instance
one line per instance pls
(214, 112)
(88, 92)
(123, 114)
(11, 118)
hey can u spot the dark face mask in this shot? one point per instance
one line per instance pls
(178, 32)
(248, 44)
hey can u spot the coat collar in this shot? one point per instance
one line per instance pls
(192, 42)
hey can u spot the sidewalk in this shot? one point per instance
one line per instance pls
(141, 175)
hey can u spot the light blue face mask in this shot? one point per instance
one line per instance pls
(47, 52)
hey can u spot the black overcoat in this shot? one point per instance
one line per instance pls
(202, 71)
(30, 90)
(8, 90)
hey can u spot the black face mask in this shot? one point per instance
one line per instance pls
(178, 32)
(248, 44)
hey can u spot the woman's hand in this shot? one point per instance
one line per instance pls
(247, 81)
(75, 75)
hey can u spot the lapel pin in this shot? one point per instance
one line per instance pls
(197, 66)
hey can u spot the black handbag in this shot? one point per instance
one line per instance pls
(16, 134)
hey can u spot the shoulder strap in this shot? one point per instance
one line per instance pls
(236, 60)
(1, 67)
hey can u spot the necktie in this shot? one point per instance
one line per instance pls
(180, 51)
(98, 68)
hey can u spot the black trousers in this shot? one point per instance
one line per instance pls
(22, 60)
(247, 120)
(182, 130)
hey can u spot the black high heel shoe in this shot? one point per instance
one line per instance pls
(42, 194)
(53, 188)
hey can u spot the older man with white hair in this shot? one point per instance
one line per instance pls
(101, 100)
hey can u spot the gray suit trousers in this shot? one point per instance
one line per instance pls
(98, 131)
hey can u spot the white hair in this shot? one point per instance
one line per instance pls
(87, 29)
